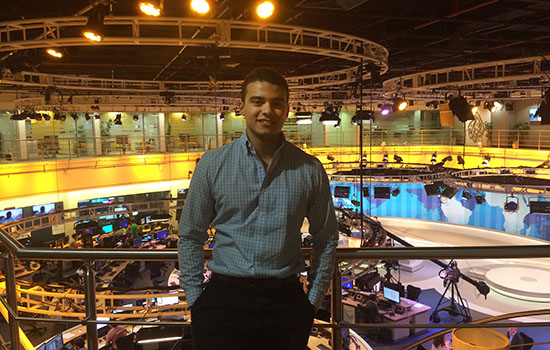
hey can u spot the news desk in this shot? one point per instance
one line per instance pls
(415, 312)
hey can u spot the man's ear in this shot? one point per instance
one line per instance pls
(240, 105)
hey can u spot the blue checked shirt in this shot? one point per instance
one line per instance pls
(257, 217)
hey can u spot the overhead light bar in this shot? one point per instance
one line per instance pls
(151, 8)
(200, 6)
(54, 53)
(265, 9)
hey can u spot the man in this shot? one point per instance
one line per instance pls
(255, 192)
(132, 230)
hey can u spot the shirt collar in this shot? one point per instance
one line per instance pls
(250, 147)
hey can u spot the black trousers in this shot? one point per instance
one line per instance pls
(230, 317)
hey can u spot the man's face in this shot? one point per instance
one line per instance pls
(265, 109)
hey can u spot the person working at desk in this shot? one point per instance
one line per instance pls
(132, 230)
(115, 331)
(255, 192)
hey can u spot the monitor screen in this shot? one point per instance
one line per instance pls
(107, 228)
(392, 295)
(147, 219)
(10, 215)
(341, 191)
(382, 192)
(162, 234)
(56, 343)
(101, 325)
(167, 301)
(123, 223)
(137, 242)
(43, 209)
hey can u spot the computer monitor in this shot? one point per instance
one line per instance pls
(392, 295)
(56, 343)
(137, 243)
(123, 223)
(341, 191)
(107, 228)
(148, 219)
(162, 234)
(146, 238)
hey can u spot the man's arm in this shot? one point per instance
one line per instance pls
(196, 217)
(324, 231)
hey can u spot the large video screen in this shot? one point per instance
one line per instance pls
(10, 215)
(43, 209)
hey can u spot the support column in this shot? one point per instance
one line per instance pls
(219, 132)
(11, 291)
(327, 130)
(96, 134)
(21, 137)
(161, 135)
(336, 291)
(91, 312)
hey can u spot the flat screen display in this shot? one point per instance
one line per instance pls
(56, 343)
(532, 112)
(43, 209)
(10, 215)
(162, 234)
(382, 192)
(123, 223)
(392, 295)
(341, 191)
(107, 228)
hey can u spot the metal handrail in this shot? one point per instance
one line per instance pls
(15, 250)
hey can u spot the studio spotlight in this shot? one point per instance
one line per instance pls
(46, 116)
(397, 158)
(385, 109)
(150, 8)
(512, 204)
(385, 159)
(97, 116)
(237, 112)
(36, 116)
(447, 159)
(460, 160)
(74, 116)
(461, 108)
(265, 9)
(303, 118)
(118, 119)
(329, 116)
(200, 6)
(331, 158)
(399, 104)
(56, 116)
(466, 195)
(492, 106)
(94, 27)
(480, 199)
(395, 192)
(54, 53)
(62, 117)
(434, 158)
(362, 116)
(222, 116)
(135, 117)
(87, 116)
(486, 160)
(184, 117)
(475, 109)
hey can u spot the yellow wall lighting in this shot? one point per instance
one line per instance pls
(54, 53)
(265, 9)
(200, 6)
(93, 36)
(149, 9)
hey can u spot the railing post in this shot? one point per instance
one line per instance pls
(538, 143)
(336, 308)
(11, 291)
(91, 312)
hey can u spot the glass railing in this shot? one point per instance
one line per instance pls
(50, 148)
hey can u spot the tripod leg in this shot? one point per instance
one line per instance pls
(434, 317)
(466, 315)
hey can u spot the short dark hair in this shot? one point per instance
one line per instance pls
(267, 74)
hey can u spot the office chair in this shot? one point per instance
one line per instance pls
(413, 293)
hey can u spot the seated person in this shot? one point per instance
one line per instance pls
(115, 331)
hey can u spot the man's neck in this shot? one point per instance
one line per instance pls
(265, 147)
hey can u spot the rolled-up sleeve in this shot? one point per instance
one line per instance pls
(198, 213)
(324, 231)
